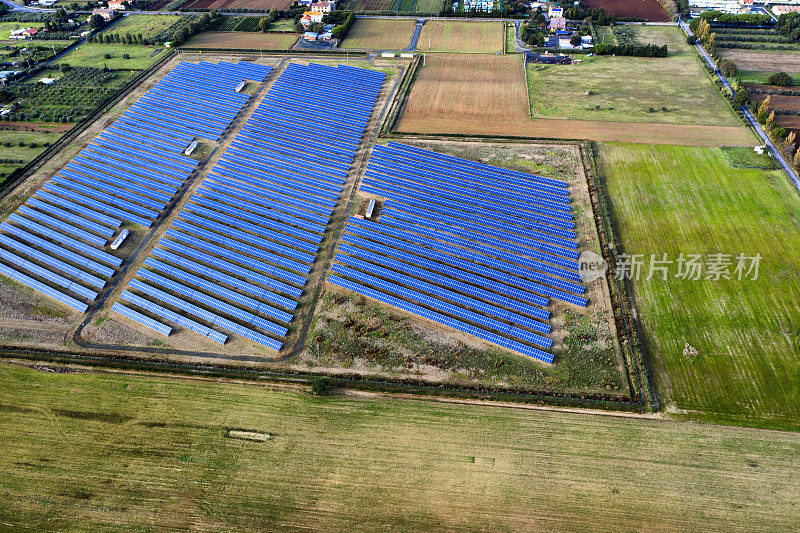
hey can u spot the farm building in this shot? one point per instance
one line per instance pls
(116, 5)
(107, 14)
(323, 7)
(558, 23)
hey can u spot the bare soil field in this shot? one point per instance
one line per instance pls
(243, 40)
(366, 5)
(680, 134)
(763, 60)
(260, 5)
(379, 34)
(487, 95)
(464, 93)
(649, 10)
(457, 36)
(780, 102)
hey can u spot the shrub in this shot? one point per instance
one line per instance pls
(691, 40)
(781, 79)
(321, 385)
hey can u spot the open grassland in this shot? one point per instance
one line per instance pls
(671, 90)
(148, 26)
(133, 452)
(457, 36)
(486, 95)
(677, 200)
(243, 40)
(93, 55)
(379, 34)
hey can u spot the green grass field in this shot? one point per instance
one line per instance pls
(92, 55)
(625, 89)
(131, 452)
(510, 39)
(428, 6)
(34, 144)
(148, 26)
(6, 27)
(673, 200)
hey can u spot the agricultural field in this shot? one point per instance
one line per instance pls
(457, 36)
(148, 26)
(672, 90)
(257, 5)
(487, 95)
(367, 5)
(243, 40)
(379, 34)
(93, 55)
(755, 66)
(681, 200)
(19, 146)
(469, 91)
(127, 451)
(649, 10)
(786, 106)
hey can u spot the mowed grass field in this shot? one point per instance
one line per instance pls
(379, 34)
(133, 452)
(671, 90)
(486, 95)
(677, 200)
(243, 40)
(92, 55)
(457, 36)
(148, 26)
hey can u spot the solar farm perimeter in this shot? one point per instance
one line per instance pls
(235, 259)
(477, 248)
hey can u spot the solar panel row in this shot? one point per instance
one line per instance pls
(55, 242)
(475, 247)
(239, 253)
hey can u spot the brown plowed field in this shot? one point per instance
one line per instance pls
(486, 95)
(649, 10)
(243, 40)
(261, 5)
(782, 102)
(763, 60)
(467, 90)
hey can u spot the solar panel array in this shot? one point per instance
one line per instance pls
(475, 247)
(239, 253)
(56, 242)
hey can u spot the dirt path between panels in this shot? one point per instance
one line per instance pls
(676, 134)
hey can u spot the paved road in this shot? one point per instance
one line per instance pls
(773, 150)
(519, 44)
(13, 6)
(415, 36)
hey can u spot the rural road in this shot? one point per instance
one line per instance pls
(415, 36)
(773, 150)
(519, 46)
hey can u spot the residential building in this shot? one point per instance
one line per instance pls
(558, 23)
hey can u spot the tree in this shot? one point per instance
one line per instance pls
(321, 385)
(691, 40)
(742, 97)
(781, 79)
(789, 142)
(263, 23)
(728, 67)
(763, 111)
(575, 40)
(797, 157)
(96, 21)
(770, 120)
